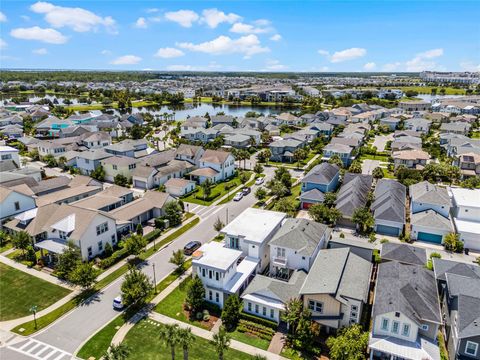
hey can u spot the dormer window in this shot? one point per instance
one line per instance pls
(397, 314)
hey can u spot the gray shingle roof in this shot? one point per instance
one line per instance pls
(425, 192)
(353, 193)
(431, 219)
(404, 253)
(338, 272)
(313, 194)
(301, 235)
(321, 174)
(409, 289)
(442, 266)
(390, 198)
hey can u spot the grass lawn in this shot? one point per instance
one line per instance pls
(428, 89)
(476, 135)
(19, 291)
(6, 246)
(217, 192)
(384, 158)
(144, 343)
(113, 105)
(294, 164)
(250, 339)
(17, 255)
(55, 314)
(293, 197)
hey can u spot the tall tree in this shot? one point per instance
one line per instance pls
(178, 259)
(364, 219)
(258, 168)
(67, 260)
(134, 244)
(206, 188)
(21, 240)
(186, 340)
(221, 342)
(173, 212)
(231, 312)
(169, 335)
(350, 343)
(195, 294)
(292, 313)
(136, 287)
(84, 275)
(378, 173)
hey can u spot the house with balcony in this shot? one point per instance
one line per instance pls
(466, 216)
(224, 271)
(251, 231)
(406, 313)
(336, 288)
(459, 288)
(215, 165)
(296, 245)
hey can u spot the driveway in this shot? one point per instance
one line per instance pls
(368, 166)
(381, 140)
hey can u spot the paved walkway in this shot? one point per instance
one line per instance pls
(277, 343)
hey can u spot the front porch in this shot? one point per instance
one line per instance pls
(391, 348)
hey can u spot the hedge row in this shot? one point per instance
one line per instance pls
(258, 320)
(258, 330)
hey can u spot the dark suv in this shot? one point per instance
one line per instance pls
(246, 190)
(190, 248)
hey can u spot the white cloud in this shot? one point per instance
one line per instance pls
(50, 36)
(105, 52)
(242, 28)
(323, 52)
(423, 61)
(391, 66)
(276, 37)
(78, 19)
(126, 60)
(25, 17)
(211, 66)
(370, 66)
(41, 51)
(183, 18)
(247, 45)
(275, 65)
(169, 53)
(347, 54)
(214, 17)
(3, 44)
(3, 17)
(141, 23)
(181, 68)
(152, 10)
(469, 66)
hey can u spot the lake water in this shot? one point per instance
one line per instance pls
(429, 98)
(181, 111)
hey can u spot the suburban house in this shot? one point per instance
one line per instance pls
(460, 299)
(391, 122)
(406, 142)
(190, 153)
(411, 159)
(251, 231)
(466, 216)
(13, 202)
(107, 200)
(336, 288)
(118, 165)
(68, 191)
(341, 150)
(404, 254)
(238, 141)
(296, 245)
(223, 119)
(356, 246)
(10, 153)
(418, 124)
(215, 165)
(321, 178)
(406, 313)
(179, 187)
(223, 270)
(430, 212)
(266, 296)
(352, 195)
(389, 207)
(127, 147)
(87, 161)
(323, 128)
(414, 105)
(462, 128)
(469, 164)
(283, 150)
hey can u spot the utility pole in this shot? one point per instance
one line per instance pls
(226, 220)
(154, 278)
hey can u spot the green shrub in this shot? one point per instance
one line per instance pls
(258, 320)
(206, 317)
(152, 235)
(199, 316)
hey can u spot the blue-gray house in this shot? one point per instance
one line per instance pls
(323, 177)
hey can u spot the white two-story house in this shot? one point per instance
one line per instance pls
(13, 202)
(215, 165)
(466, 216)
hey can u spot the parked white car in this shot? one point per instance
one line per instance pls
(259, 181)
(238, 196)
(118, 303)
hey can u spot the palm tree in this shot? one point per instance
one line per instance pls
(21, 240)
(221, 342)
(117, 352)
(169, 335)
(185, 340)
(207, 188)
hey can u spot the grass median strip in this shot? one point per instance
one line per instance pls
(47, 319)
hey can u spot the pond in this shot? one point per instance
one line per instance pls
(431, 98)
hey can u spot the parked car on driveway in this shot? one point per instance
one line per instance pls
(190, 248)
(118, 303)
(259, 181)
(238, 196)
(246, 190)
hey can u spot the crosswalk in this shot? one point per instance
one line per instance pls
(39, 350)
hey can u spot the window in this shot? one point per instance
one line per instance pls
(264, 312)
(114, 240)
(424, 327)
(210, 274)
(384, 324)
(395, 326)
(89, 250)
(406, 330)
(280, 252)
(249, 306)
(315, 306)
(87, 161)
(203, 272)
(62, 235)
(17, 206)
(114, 167)
(471, 348)
(6, 157)
(256, 308)
(217, 297)
(353, 315)
(210, 297)
(272, 313)
(102, 228)
(217, 276)
(100, 246)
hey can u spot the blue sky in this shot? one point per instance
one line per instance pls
(241, 35)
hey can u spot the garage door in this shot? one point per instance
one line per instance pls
(437, 239)
(140, 184)
(306, 205)
(388, 230)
